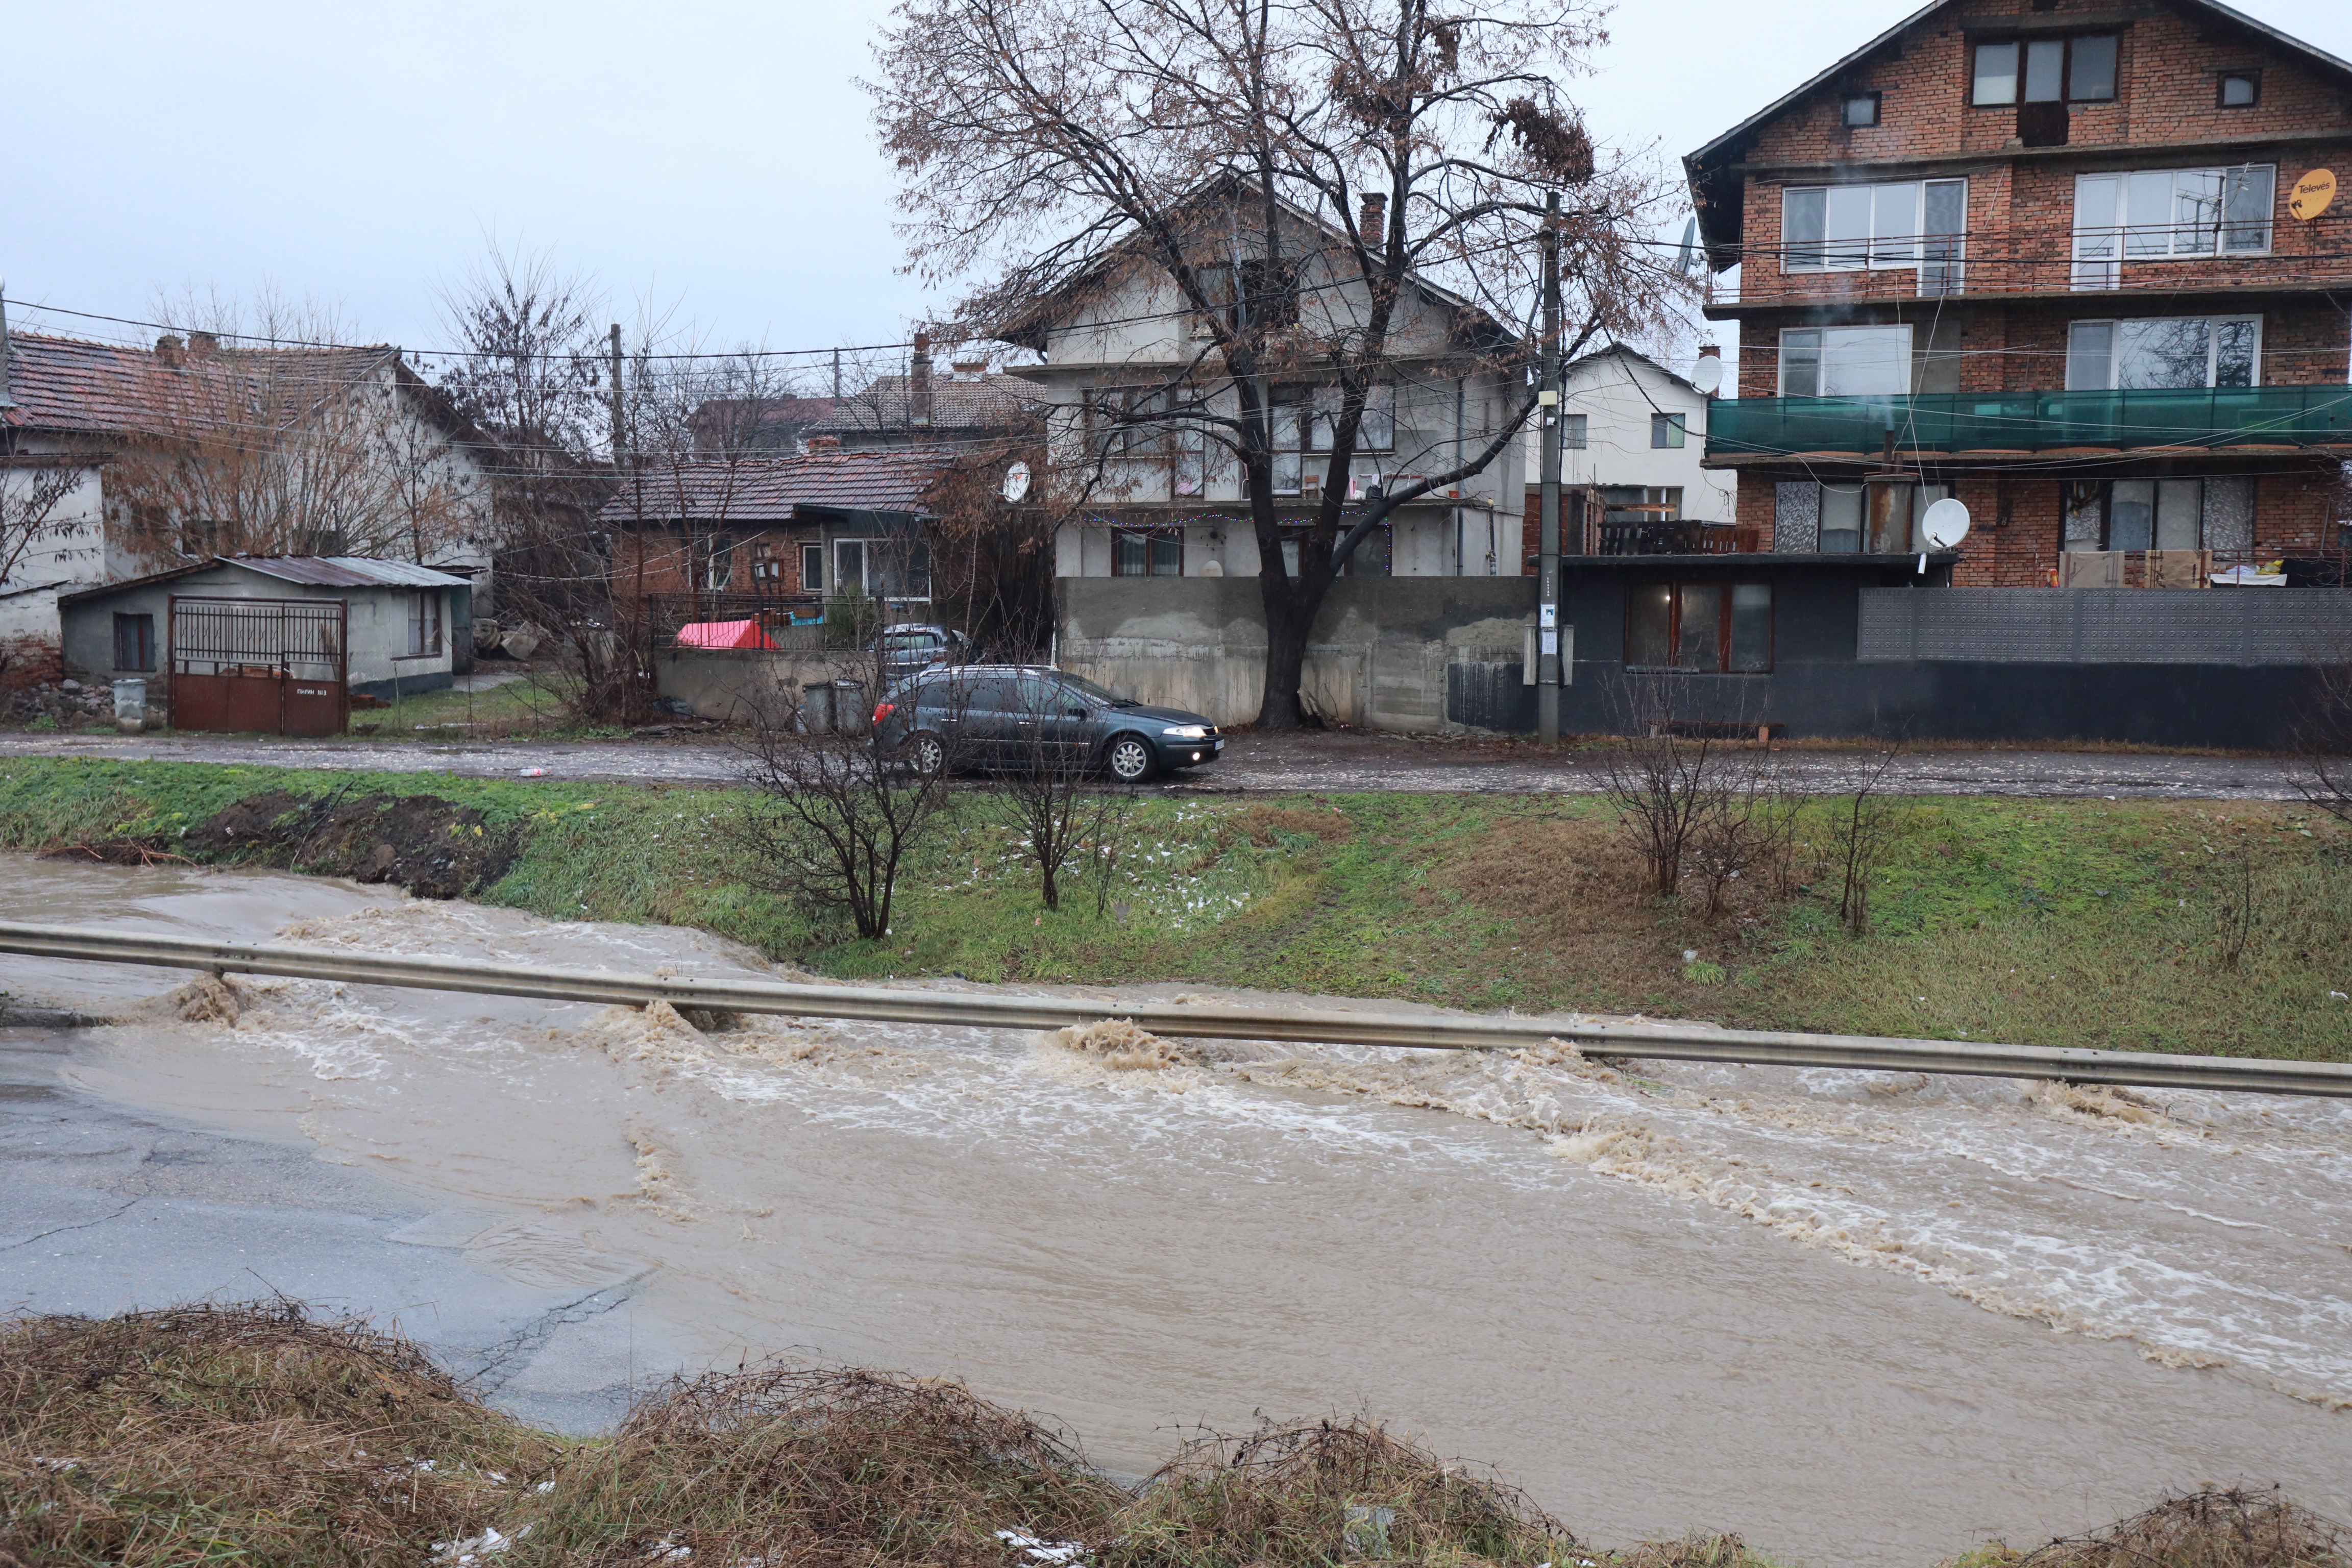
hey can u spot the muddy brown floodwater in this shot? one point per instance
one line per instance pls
(1859, 1318)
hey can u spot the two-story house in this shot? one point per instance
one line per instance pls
(1632, 441)
(2075, 262)
(1165, 494)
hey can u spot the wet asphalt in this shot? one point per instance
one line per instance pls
(1331, 761)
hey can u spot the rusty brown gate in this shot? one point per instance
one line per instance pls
(280, 666)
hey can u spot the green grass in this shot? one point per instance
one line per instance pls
(2051, 922)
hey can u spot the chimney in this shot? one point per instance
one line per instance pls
(6, 401)
(919, 382)
(822, 446)
(969, 369)
(203, 345)
(168, 351)
(1372, 221)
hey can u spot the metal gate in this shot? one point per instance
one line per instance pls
(278, 666)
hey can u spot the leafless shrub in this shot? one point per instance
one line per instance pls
(1050, 793)
(834, 811)
(2321, 770)
(1864, 828)
(244, 1432)
(2239, 912)
(1746, 832)
(2210, 1529)
(1319, 1492)
(1692, 800)
(819, 1466)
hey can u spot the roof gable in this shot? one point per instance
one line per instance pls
(1715, 190)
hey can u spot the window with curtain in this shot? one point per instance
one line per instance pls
(2044, 70)
(1147, 552)
(2214, 513)
(425, 623)
(1882, 517)
(1719, 628)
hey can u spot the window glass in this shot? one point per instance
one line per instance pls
(1573, 431)
(1944, 220)
(2099, 211)
(1699, 627)
(2090, 356)
(2238, 91)
(2046, 67)
(1378, 431)
(812, 568)
(1895, 225)
(134, 642)
(1996, 74)
(2148, 205)
(2233, 351)
(2131, 514)
(2164, 353)
(991, 694)
(2082, 512)
(1862, 109)
(2228, 508)
(1751, 628)
(1649, 625)
(2249, 191)
(1887, 516)
(1126, 555)
(1804, 215)
(2179, 506)
(1666, 430)
(1286, 417)
(1800, 364)
(1865, 361)
(2195, 211)
(2091, 73)
(1166, 556)
(1850, 209)
(1841, 519)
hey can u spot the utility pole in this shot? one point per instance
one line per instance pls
(619, 426)
(1548, 670)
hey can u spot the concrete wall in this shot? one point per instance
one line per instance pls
(1400, 653)
(733, 685)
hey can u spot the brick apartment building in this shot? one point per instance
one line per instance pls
(2064, 259)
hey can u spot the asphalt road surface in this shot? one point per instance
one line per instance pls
(1253, 764)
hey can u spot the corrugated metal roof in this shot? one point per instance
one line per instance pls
(346, 572)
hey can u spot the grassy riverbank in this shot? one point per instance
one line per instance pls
(2220, 927)
(253, 1434)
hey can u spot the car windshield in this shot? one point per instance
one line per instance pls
(1093, 693)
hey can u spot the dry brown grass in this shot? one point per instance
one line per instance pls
(241, 1433)
(2205, 1530)
(1319, 1492)
(818, 1466)
(1266, 827)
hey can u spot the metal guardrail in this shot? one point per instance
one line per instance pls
(1326, 1025)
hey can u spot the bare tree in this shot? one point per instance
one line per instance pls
(1667, 779)
(1865, 828)
(32, 488)
(1051, 790)
(1218, 151)
(834, 811)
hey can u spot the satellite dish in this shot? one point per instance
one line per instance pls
(1707, 374)
(1946, 524)
(1017, 484)
(1690, 238)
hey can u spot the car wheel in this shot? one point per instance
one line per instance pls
(1130, 759)
(929, 754)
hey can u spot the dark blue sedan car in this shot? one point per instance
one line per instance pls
(1025, 716)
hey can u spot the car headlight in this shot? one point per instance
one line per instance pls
(1186, 731)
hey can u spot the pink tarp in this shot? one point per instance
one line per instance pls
(723, 634)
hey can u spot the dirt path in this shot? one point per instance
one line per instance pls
(1269, 764)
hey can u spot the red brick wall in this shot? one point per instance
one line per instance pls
(663, 558)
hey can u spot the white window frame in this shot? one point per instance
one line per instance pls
(1575, 432)
(2212, 349)
(1881, 250)
(1910, 351)
(2100, 249)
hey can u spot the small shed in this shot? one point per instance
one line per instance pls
(274, 642)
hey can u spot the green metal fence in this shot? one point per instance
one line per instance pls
(2034, 421)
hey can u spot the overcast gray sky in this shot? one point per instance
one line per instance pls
(713, 153)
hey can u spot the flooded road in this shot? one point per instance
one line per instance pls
(1858, 1318)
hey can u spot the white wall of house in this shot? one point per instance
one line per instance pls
(67, 550)
(1619, 393)
(1136, 332)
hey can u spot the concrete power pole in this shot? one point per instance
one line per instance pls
(620, 427)
(1548, 670)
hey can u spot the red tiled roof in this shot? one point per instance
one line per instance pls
(772, 489)
(65, 384)
(996, 402)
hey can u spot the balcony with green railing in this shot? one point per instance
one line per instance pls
(2027, 422)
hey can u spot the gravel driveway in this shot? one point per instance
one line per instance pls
(1251, 763)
